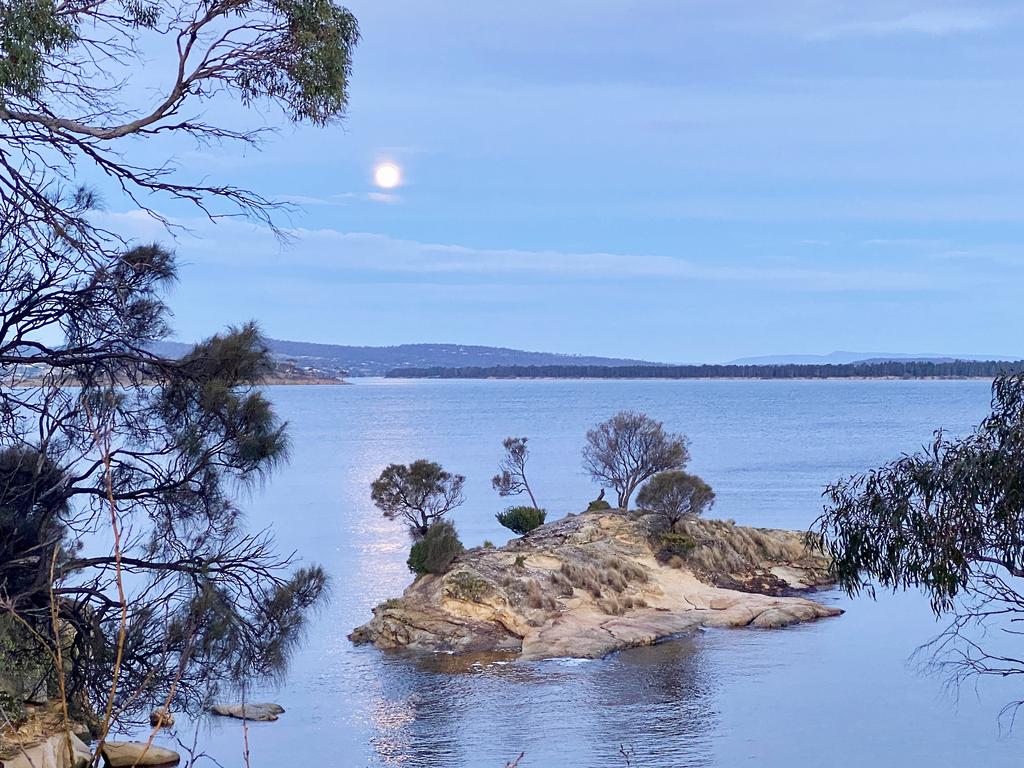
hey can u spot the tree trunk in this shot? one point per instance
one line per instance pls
(533, 501)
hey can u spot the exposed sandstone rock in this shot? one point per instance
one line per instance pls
(258, 712)
(51, 752)
(125, 754)
(39, 733)
(590, 584)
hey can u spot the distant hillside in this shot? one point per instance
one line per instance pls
(376, 361)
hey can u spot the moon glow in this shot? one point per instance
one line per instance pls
(387, 175)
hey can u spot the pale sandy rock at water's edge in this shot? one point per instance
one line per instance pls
(51, 752)
(263, 712)
(590, 584)
(124, 754)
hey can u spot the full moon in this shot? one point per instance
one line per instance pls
(387, 175)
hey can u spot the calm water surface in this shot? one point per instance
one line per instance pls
(836, 693)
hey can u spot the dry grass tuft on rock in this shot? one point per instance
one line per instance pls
(617, 605)
(537, 599)
(722, 548)
(583, 577)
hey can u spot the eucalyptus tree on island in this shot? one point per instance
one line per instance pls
(629, 448)
(420, 493)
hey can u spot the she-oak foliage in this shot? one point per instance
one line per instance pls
(97, 432)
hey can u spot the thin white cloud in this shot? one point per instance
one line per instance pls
(234, 241)
(905, 242)
(340, 198)
(383, 197)
(930, 23)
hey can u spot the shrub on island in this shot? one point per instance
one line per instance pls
(674, 545)
(521, 520)
(676, 496)
(598, 505)
(437, 549)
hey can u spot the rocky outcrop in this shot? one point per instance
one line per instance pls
(56, 751)
(263, 713)
(590, 584)
(39, 736)
(126, 754)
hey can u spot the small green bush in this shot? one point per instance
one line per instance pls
(598, 505)
(12, 710)
(522, 520)
(674, 545)
(435, 552)
(520, 561)
(488, 544)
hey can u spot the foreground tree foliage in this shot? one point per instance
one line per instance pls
(676, 495)
(628, 449)
(950, 521)
(118, 529)
(420, 493)
(116, 481)
(63, 100)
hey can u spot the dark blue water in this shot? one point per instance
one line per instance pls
(836, 693)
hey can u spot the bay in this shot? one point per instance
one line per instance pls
(841, 692)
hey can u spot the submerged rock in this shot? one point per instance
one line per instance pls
(265, 712)
(590, 584)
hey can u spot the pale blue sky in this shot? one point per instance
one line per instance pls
(674, 180)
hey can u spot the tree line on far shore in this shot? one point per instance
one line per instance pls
(899, 369)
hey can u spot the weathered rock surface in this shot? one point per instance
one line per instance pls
(264, 713)
(590, 584)
(124, 754)
(51, 752)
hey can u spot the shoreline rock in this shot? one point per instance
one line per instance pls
(127, 754)
(50, 752)
(591, 584)
(258, 712)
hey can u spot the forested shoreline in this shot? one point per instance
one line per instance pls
(893, 369)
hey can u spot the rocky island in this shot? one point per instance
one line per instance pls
(590, 584)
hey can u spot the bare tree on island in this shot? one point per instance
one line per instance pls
(950, 521)
(511, 478)
(177, 600)
(628, 449)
